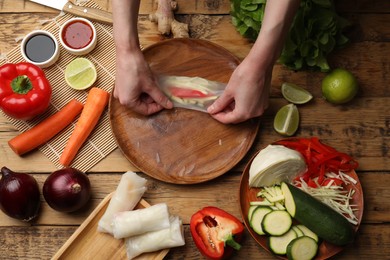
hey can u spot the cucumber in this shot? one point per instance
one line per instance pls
(257, 218)
(317, 216)
(250, 212)
(302, 248)
(307, 232)
(276, 222)
(297, 231)
(278, 244)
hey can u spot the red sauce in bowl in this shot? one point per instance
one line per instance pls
(77, 34)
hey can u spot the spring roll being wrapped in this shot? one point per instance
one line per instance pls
(130, 190)
(136, 222)
(156, 240)
(191, 92)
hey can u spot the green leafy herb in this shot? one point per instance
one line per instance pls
(315, 32)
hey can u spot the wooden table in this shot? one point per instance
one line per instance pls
(361, 128)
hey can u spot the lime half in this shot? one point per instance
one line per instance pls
(295, 94)
(286, 120)
(80, 74)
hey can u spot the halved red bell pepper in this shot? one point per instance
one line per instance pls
(215, 232)
(24, 90)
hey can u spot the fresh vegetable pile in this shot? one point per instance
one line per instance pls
(315, 203)
(315, 32)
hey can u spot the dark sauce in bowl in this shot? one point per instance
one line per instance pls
(77, 34)
(40, 48)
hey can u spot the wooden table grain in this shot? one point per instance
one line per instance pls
(360, 128)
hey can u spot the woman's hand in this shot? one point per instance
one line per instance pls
(246, 95)
(136, 85)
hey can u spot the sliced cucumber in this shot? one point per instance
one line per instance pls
(302, 248)
(297, 231)
(250, 212)
(257, 218)
(317, 216)
(276, 222)
(308, 232)
(278, 244)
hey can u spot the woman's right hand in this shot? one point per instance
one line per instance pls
(136, 86)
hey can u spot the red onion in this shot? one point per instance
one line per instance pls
(67, 190)
(19, 195)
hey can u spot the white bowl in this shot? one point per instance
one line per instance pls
(78, 51)
(45, 59)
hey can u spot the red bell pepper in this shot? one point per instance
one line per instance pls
(215, 232)
(24, 90)
(320, 158)
(186, 93)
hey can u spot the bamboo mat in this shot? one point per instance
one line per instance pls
(101, 142)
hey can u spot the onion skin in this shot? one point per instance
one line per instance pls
(19, 195)
(67, 190)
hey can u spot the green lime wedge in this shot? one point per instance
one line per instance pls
(295, 94)
(286, 120)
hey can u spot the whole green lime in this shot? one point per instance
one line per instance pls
(339, 86)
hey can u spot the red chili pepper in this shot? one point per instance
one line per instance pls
(24, 90)
(215, 232)
(186, 93)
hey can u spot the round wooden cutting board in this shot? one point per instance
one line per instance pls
(179, 145)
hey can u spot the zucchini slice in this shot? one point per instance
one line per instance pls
(278, 244)
(317, 216)
(252, 208)
(257, 218)
(297, 230)
(302, 248)
(276, 222)
(307, 232)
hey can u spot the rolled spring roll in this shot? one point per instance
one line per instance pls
(156, 240)
(136, 222)
(128, 193)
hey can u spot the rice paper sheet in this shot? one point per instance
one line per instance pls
(194, 93)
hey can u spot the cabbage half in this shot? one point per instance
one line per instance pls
(274, 164)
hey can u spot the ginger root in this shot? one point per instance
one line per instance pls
(166, 22)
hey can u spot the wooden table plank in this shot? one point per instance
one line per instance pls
(365, 246)
(364, 135)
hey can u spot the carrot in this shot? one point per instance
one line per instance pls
(45, 130)
(96, 102)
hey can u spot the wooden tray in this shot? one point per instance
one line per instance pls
(326, 250)
(87, 243)
(179, 145)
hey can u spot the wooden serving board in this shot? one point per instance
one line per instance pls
(183, 146)
(87, 243)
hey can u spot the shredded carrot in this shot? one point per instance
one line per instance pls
(97, 100)
(47, 129)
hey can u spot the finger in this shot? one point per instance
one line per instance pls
(158, 96)
(222, 103)
(228, 117)
(146, 108)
